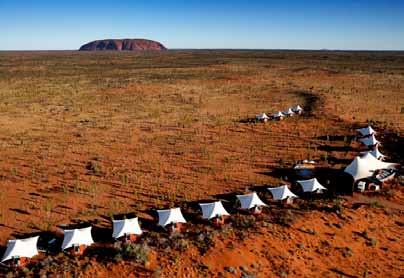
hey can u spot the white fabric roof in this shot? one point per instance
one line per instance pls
(250, 200)
(376, 153)
(364, 167)
(277, 114)
(369, 141)
(365, 131)
(21, 248)
(77, 237)
(311, 185)
(262, 116)
(170, 216)
(297, 108)
(126, 226)
(211, 210)
(309, 161)
(288, 111)
(281, 192)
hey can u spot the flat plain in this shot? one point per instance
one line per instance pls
(86, 136)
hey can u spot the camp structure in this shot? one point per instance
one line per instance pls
(214, 211)
(288, 112)
(126, 229)
(278, 115)
(171, 218)
(251, 202)
(311, 185)
(366, 167)
(376, 153)
(75, 241)
(262, 117)
(366, 131)
(297, 109)
(369, 141)
(283, 194)
(20, 250)
(305, 164)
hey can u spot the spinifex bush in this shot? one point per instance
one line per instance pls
(138, 252)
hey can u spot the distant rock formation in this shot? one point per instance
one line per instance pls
(123, 45)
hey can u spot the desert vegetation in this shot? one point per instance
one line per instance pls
(86, 136)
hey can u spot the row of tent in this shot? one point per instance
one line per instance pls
(368, 136)
(78, 238)
(279, 115)
(368, 163)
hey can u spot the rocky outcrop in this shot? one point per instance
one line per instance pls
(123, 45)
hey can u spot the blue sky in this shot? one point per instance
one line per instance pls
(310, 24)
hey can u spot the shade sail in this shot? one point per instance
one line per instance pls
(366, 131)
(212, 210)
(369, 141)
(125, 227)
(170, 216)
(26, 248)
(281, 192)
(250, 200)
(311, 185)
(364, 167)
(77, 237)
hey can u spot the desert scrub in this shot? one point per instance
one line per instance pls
(285, 218)
(94, 168)
(137, 252)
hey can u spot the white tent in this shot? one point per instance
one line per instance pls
(170, 216)
(18, 248)
(281, 192)
(212, 210)
(376, 153)
(77, 237)
(366, 131)
(297, 109)
(369, 141)
(126, 227)
(311, 185)
(262, 117)
(364, 167)
(278, 115)
(288, 112)
(250, 200)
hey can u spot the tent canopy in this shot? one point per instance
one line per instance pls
(366, 131)
(369, 141)
(376, 153)
(262, 117)
(364, 167)
(250, 200)
(212, 210)
(125, 227)
(26, 248)
(297, 108)
(277, 114)
(77, 237)
(170, 216)
(281, 192)
(288, 111)
(311, 185)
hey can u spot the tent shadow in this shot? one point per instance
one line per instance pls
(329, 148)
(334, 138)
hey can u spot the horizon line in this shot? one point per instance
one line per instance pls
(207, 49)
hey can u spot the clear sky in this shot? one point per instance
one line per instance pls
(304, 24)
